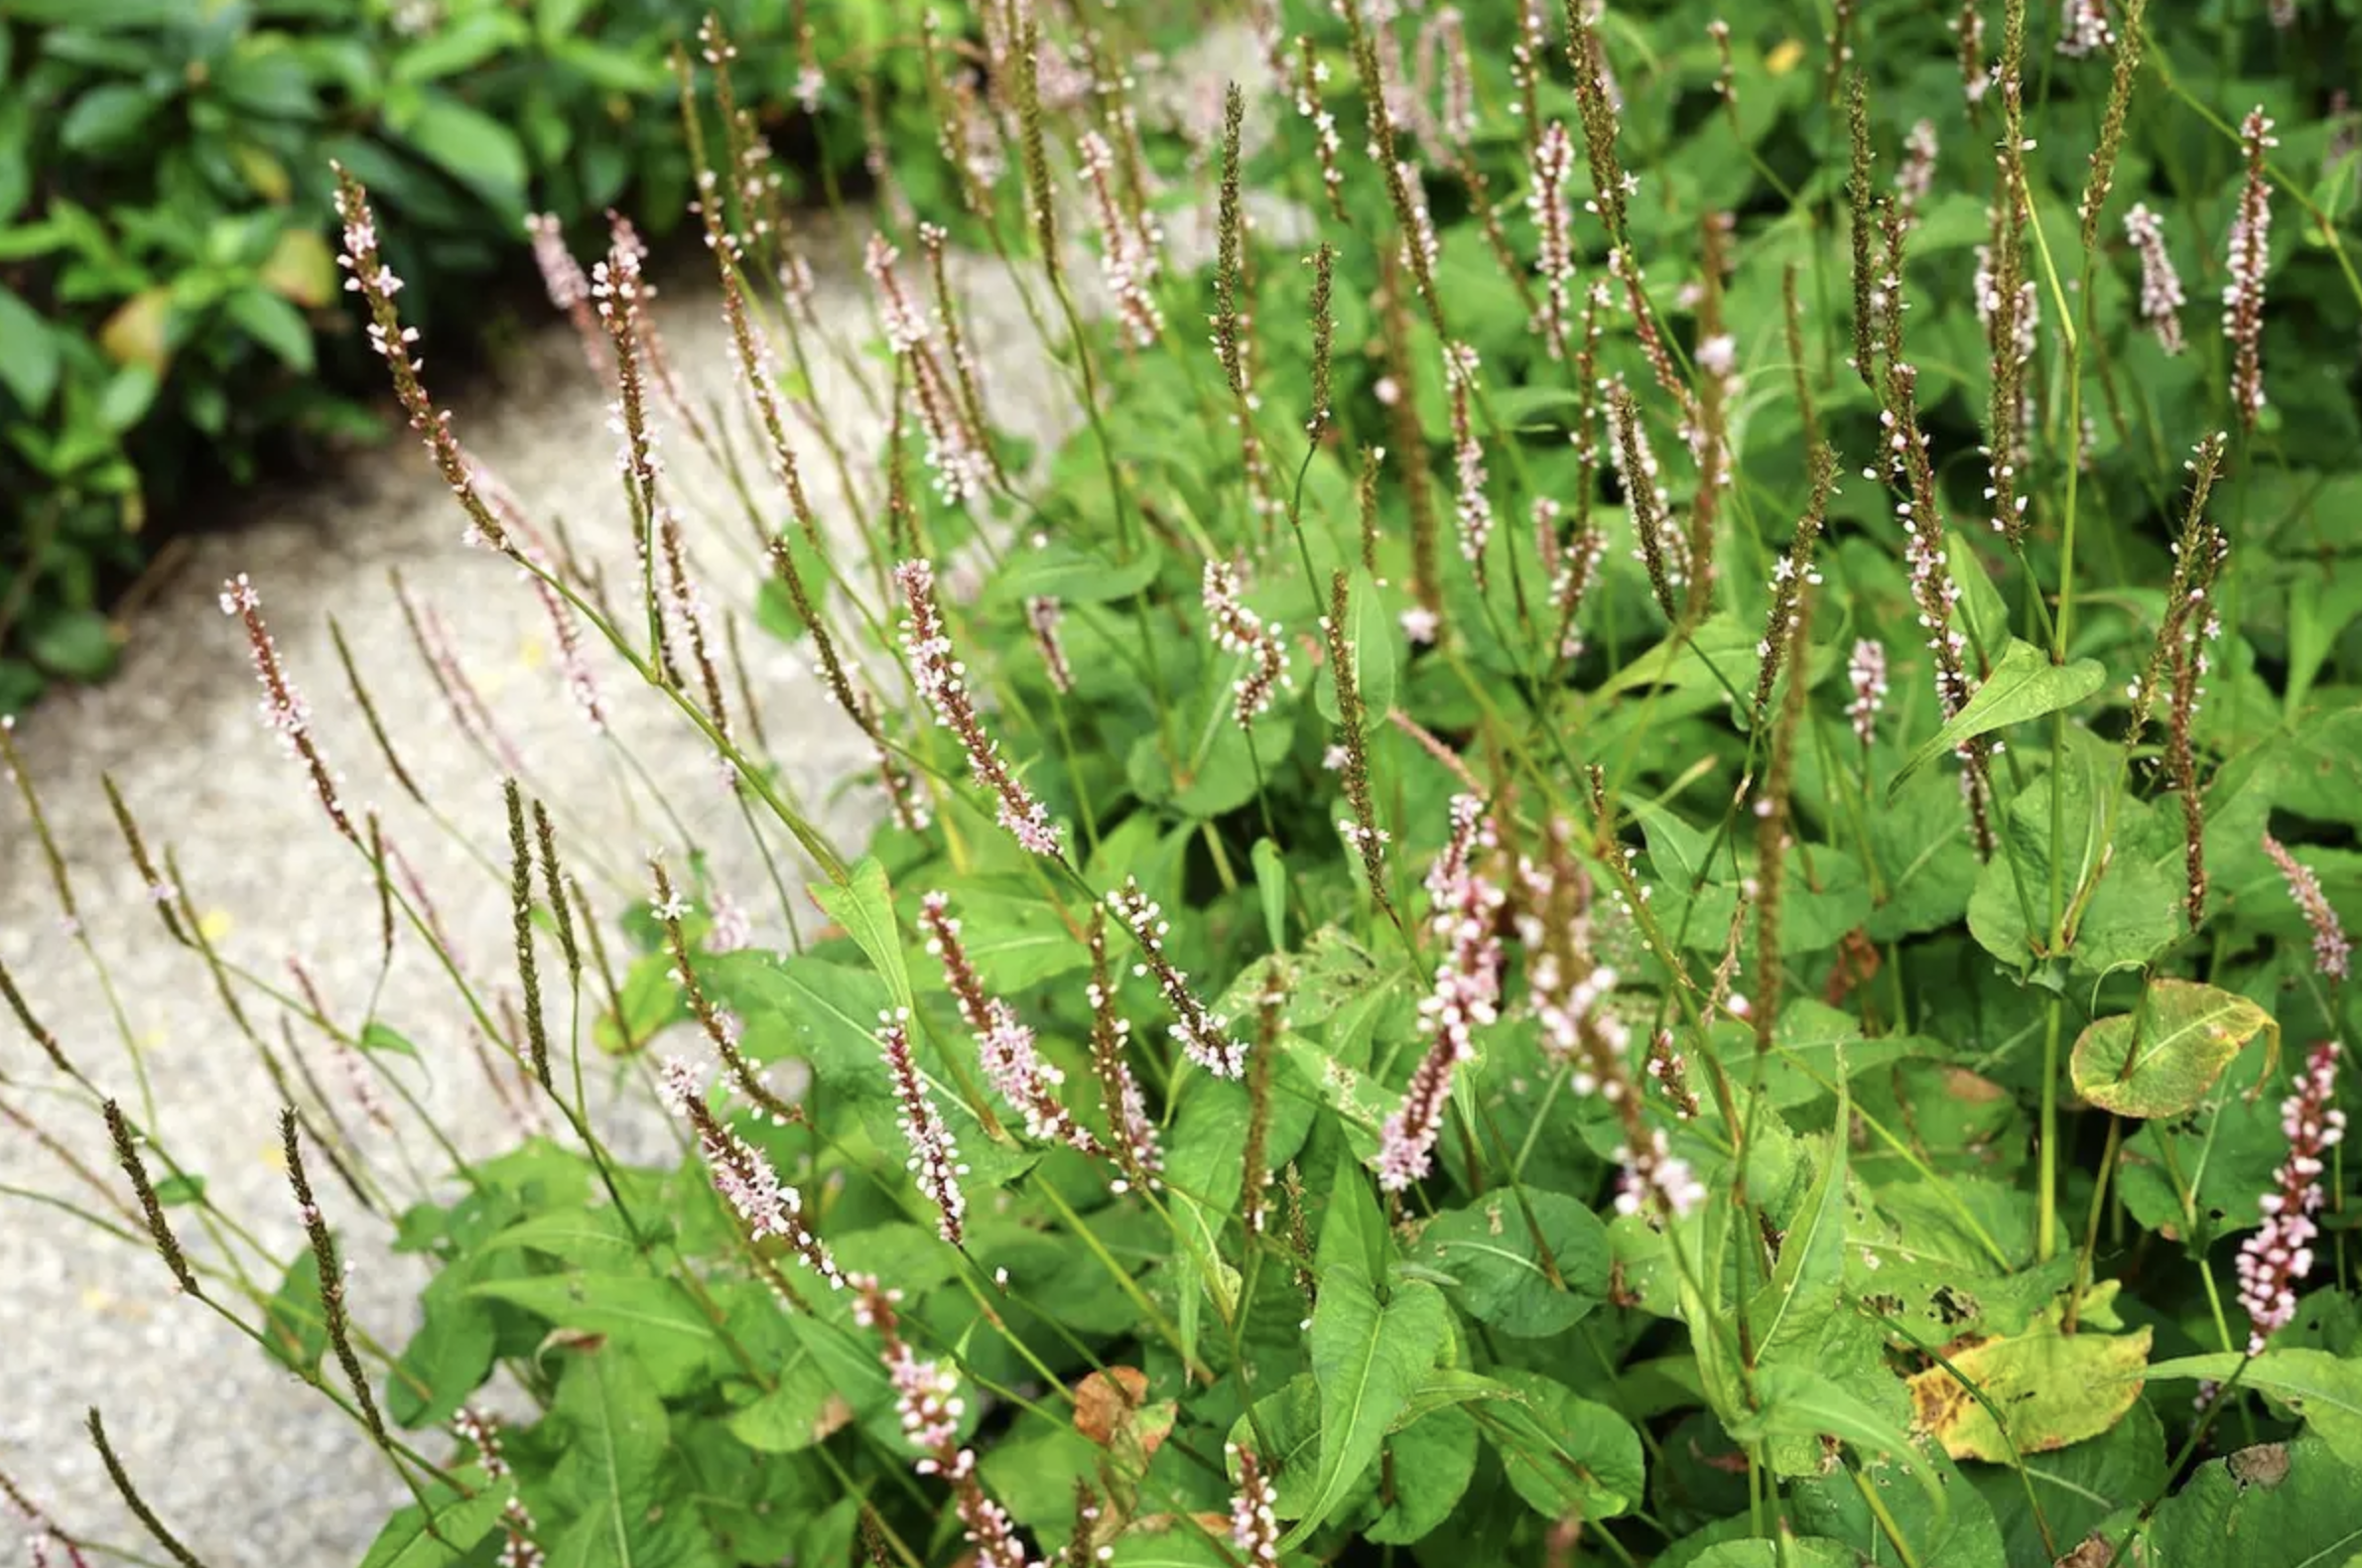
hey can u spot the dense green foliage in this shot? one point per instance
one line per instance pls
(1549, 1002)
(169, 305)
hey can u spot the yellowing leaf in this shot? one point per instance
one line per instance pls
(2160, 1060)
(300, 269)
(1784, 56)
(134, 334)
(213, 924)
(2052, 1387)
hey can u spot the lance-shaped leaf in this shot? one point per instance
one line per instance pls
(865, 907)
(2161, 1059)
(1802, 1293)
(2025, 685)
(1367, 1361)
(1795, 1400)
(2324, 1389)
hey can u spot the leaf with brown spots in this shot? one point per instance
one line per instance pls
(2053, 1388)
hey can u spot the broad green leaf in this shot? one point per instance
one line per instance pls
(1368, 1360)
(27, 352)
(1270, 883)
(1530, 1263)
(174, 1191)
(651, 1319)
(2324, 1389)
(2051, 1388)
(1798, 1552)
(2161, 1059)
(1795, 1400)
(2024, 685)
(1353, 1232)
(1430, 1465)
(616, 1441)
(468, 144)
(457, 1524)
(445, 1361)
(1923, 867)
(2133, 914)
(1943, 1522)
(1016, 941)
(1807, 1040)
(1802, 1294)
(2272, 1505)
(804, 1408)
(1058, 570)
(865, 907)
(590, 1239)
(1564, 1454)
(2077, 1487)
(650, 1001)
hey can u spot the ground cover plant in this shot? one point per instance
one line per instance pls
(168, 314)
(1636, 856)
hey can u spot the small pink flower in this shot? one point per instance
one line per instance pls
(1254, 1528)
(934, 1153)
(943, 681)
(1203, 1037)
(2332, 954)
(2275, 1257)
(1465, 997)
(2249, 260)
(2161, 285)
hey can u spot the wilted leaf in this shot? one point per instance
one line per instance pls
(2161, 1059)
(136, 335)
(2052, 1387)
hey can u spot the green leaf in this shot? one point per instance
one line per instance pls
(1062, 571)
(464, 42)
(1798, 1401)
(468, 145)
(2324, 1389)
(2161, 1059)
(107, 120)
(274, 323)
(1530, 1263)
(2024, 685)
(1802, 1294)
(1793, 1552)
(1370, 643)
(78, 644)
(865, 907)
(615, 1423)
(445, 1361)
(174, 1191)
(2077, 1487)
(795, 1414)
(1564, 1454)
(1270, 882)
(2053, 1388)
(2272, 1505)
(379, 1037)
(294, 1322)
(1367, 1361)
(27, 352)
(1353, 1232)
(1431, 1465)
(653, 1320)
(459, 1523)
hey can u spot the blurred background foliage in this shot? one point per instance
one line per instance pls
(169, 308)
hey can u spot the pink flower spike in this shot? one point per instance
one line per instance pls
(1203, 1037)
(2161, 285)
(943, 681)
(2250, 259)
(1466, 997)
(284, 711)
(743, 1173)
(2275, 1257)
(1255, 1528)
(1238, 630)
(2332, 954)
(934, 1155)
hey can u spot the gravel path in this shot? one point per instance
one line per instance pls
(242, 1461)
